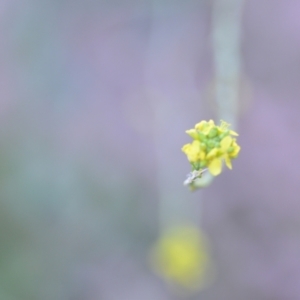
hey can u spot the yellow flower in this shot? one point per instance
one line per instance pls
(205, 127)
(217, 155)
(225, 146)
(193, 151)
(193, 133)
(223, 128)
(181, 256)
(236, 150)
(211, 146)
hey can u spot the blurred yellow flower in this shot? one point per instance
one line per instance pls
(212, 145)
(181, 257)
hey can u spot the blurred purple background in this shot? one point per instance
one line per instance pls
(95, 97)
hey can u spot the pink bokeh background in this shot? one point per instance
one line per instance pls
(95, 97)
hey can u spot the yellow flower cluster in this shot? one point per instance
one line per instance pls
(181, 257)
(211, 146)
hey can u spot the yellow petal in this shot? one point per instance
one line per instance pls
(233, 133)
(215, 167)
(193, 133)
(209, 126)
(211, 122)
(235, 151)
(207, 130)
(205, 127)
(196, 145)
(212, 153)
(192, 151)
(201, 155)
(201, 125)
(192, 157)
(186, 148)
(228, 162)
(225, 143)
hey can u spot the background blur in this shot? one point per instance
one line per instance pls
(95, 97)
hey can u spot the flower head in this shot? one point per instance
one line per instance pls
(211, 146)
(181, 256)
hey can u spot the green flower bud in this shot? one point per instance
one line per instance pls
(213, 132)
(203, 163)
(211, 144)
(202, 136)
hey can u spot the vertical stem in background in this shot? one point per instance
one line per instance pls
(227, 60)
(167, 83)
